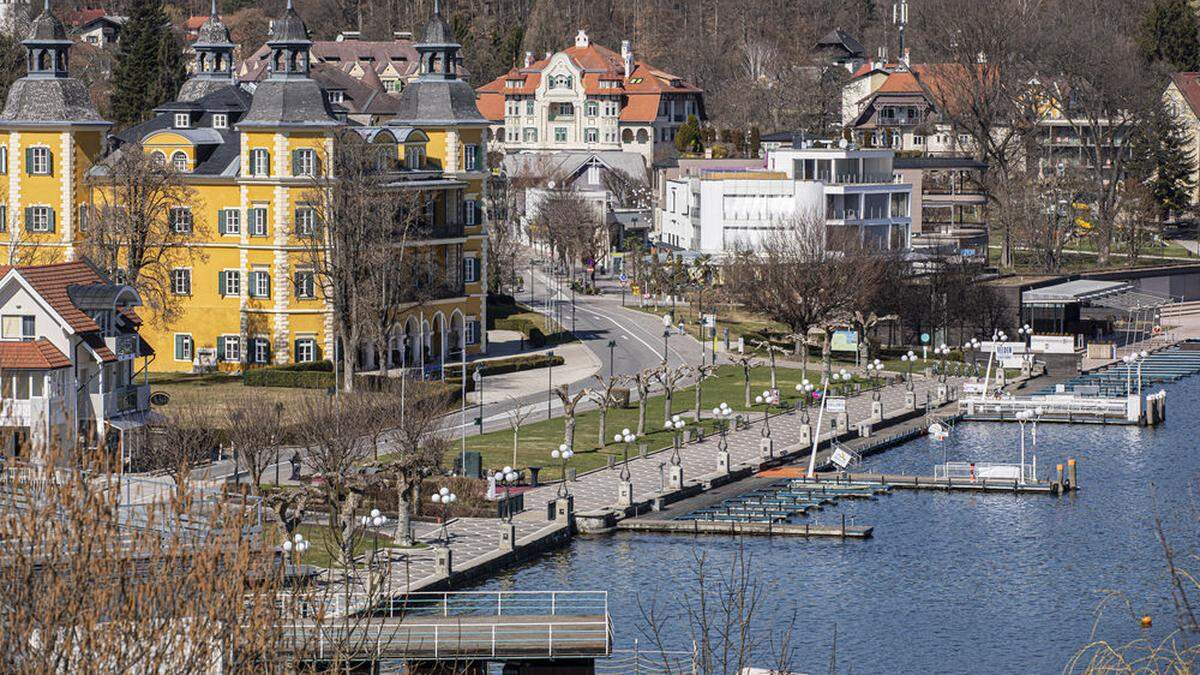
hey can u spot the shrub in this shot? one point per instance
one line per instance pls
(621, 395)
(512, 364)
(288, 376)
(536, 337)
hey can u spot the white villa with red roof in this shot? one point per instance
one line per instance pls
(588, 99)
(1182, 99)
(69, 347)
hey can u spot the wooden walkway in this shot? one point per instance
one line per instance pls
(906, 482)
(843, 531)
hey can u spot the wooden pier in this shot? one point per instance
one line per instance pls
(741, 527)
(906, 482)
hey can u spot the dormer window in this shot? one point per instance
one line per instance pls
(220, 121)
(336, 95)
(183, 120)
(414, 155)
(560, 82)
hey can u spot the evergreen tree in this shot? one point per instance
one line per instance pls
(149, 67)
(1165, 162)
(1170, 35)
(12, 63)
(687, 139)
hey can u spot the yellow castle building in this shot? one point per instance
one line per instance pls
(249, 153)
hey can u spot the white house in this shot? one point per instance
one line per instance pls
(69, 351)
(855, 191)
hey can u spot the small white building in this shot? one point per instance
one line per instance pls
(69, 351)
(855, 191)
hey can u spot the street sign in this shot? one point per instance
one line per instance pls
(634, 289)
(1004, 351)
(624, 277)
(844, 341)
(710, 320)
(924, 338)
(835, 404)
(841, 458)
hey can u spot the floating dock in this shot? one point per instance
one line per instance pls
(743, 527)
(907, 482)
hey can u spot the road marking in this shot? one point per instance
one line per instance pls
(650, 347)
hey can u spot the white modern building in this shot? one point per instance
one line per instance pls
(69, 353)
(855, 191)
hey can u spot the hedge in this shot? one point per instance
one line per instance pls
(312, 375)
(511, 364)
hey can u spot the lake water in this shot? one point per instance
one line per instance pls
(950, 582)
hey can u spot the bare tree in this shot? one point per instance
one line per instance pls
(670, 378)
(571, 226)
(604, 396)
(516, 419)
(702, 373)
(183, 438)
(746, 362)
(504, 237)
(570, 404)
(642, 381)
(254, 425)
(419, 449)
(771, 350)
(142, 226)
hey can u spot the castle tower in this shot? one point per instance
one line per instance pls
(214, 59)
(50, 133)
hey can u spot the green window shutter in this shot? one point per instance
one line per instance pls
(296, 283)
(50, 218)
(179, 347)
(49, 163)
(295, 162)
(220, 348)
(221, 282)
(268, 278)
(296, 351)
(221, 221)
(28, 218)
(29, 161)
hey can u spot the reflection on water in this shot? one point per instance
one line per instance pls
(951, 582)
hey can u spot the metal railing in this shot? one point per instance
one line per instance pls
(505, 603)
(984, 471)
(1052, 406)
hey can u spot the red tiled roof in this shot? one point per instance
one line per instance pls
(1188, 85)
(194, 23)
(82, 17)
(98, 345)
(38, 354)
(51, 282)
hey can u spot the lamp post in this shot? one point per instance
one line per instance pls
(721, 416)
(675, 426)
(275, 439)
(445, 497)
(625, 487)
(942, 351)
(612, 345)
(768, 398)
(874, 371)
(666, 336)
(1026, 334)
(549, 383)
(298, 545)
(375, 520)
(506, 476)
(564, 453)
(477, 376)
(908, 359)
(973, 346)
(843, 376)
(805, 389)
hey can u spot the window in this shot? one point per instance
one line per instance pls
(560, 134)
(258, 221)
(528, 106)
(181, 220)
(564, 110)
(229, 348)
(305, 286)
(591, 135)
(260, 350)
(336, 96)
(593, 174)
(260, 284)
(414, 155)
(470, 270)
(220, 121)
(17, 327)
(3, 159)
(229, 283)
(306, 350)
(530, 135)
(306, 221)
(304, 162)
(179, 160)
(469, 206)
(159, 157)
(229, 221)
(561, 82)
(39, 219)
(471, 331)
(83, 217)
(183, 347)
(471, 155)
(181, 282)
(918, 139)
(39, 161)
(260, 162)
(3, 217)
(182, 120)
(591, 108)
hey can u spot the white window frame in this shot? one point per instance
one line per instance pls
(236, 342)
(3, 159)
(220, 121)
(260, 162)
(236, 276)
(261, 346)
(39, 160)
(180, 162)
(39, 220)
(309, 288)
(191, 347)
(471, 157)
(255, 228)
(183, 121)
(470, 269)
(260, 284)
(306, 226)
(469, 330)
(181, 281)
(306, 167)
(308, 343)
(233, 222)
(469, 212)
(173, 214)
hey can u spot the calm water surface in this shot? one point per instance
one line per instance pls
(950, 583)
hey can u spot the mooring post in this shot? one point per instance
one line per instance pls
(1071, 473)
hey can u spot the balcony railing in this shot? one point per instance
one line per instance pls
(124, 346)
(423, 230)
(862, 178)
(126, 399)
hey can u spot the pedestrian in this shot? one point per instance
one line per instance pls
(295, 461)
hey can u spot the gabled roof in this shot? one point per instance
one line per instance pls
(841, 40)
(53, 282)
(39, 354)
(1188, 85)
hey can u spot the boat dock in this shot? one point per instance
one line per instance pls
(946, 483)
(768, 528)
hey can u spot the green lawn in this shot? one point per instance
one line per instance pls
(212, 392)
(321, 544)
(738, 321)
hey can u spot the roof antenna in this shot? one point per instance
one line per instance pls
(437, 7)
(290, 6)
(46, 6)
(214, 8)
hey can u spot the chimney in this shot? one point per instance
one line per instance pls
(548, 55)
(627, 56)
(402, 35)
(581, 39)
(528, 59)
(905, 56)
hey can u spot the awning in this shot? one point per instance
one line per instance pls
(1071, 292)
(135, 420)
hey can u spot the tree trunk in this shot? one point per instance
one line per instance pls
(746, 377)
(569, 429)
(804, 361)
(603, 426)
(699, 396)
(349, 353)
(826, 356)
(641, 429)
(670, 396)
(773, 382)
(403, 515)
